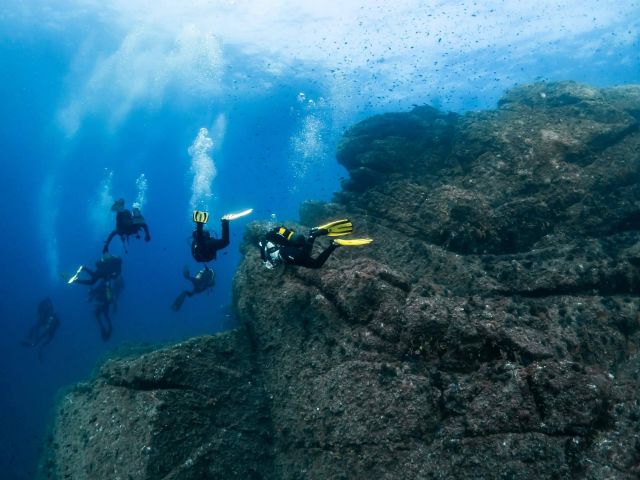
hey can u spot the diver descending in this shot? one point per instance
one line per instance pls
(203, 247)
(204, 280)
(45, 328)
(282, 246)
(127, 223)
(108, 267)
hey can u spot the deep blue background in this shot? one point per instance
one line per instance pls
(252, 171)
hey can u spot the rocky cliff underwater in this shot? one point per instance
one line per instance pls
(490, 331)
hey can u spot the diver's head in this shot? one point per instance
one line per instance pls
(118, 205)
(271, 255)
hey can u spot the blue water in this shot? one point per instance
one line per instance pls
(96, 94)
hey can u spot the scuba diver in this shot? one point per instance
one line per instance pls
(203, 246)
(204, 280)
(104, 298)
(108, 267)
(45, 328)
(282, 246)
(127, 223)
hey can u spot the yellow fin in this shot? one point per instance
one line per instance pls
(337, 228)
(352, 242)
(200, 217)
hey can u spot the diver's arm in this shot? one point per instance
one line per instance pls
(221, 243)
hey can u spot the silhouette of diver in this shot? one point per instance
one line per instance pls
(204, 280)
(127, 223)
(44, 330)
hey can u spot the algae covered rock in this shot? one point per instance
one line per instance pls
(490, 331)
(191, 411)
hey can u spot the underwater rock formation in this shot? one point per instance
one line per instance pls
(491, 330)
(191, 411)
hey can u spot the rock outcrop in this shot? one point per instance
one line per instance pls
(490, 331)
(192, 411)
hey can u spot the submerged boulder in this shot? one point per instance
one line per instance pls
(191, 411)
(490, 331)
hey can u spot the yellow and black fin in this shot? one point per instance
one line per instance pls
(336, 229)
(353, 242)
(200, 217)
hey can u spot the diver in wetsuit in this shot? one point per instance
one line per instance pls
(204, 280)
(44, 330)
(127, 223)
(203, 246)
(282, 246)
(108, 267)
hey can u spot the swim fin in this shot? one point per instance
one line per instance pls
(200, 217)
(352, 242)
(233, 216)
(75, 276)
(335, 229)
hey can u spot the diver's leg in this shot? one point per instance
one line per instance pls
(105, 327)
(319, 261)
(308, 244)
(105, 249)
(177, 303)
(109, 328)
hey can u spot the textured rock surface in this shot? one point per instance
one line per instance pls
(491, 331)
(191, 411)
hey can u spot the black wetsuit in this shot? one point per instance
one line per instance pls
(127, 225)
(298, 250)
(204, 247)
(106, 269)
